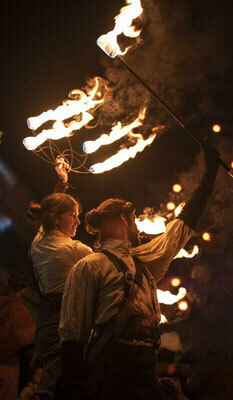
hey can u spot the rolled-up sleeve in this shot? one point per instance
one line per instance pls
(78, 303)
(159, 252)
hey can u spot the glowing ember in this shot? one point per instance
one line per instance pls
(169, 298)
(123, 24)
(163, 319)
(70, 108)
(116, 133)
(183, 253)
(171, 206)
(216, 128)
(151, 227)
(175, 282)
(183, 305)
(177, 188)
(178, 209)
(123, 155)
(206, 237)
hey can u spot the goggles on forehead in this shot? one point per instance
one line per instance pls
(130, 207)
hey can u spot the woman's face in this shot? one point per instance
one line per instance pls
(69, 221)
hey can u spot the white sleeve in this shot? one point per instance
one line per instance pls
(159, 252)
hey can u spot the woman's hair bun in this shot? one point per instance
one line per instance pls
(34, 211)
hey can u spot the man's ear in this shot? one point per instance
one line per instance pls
(124, 220)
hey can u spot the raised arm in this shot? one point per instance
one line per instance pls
(159, 252)
(61, 168)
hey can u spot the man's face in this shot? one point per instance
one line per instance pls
(133, 232)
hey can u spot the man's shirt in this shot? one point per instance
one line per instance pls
(94, 287)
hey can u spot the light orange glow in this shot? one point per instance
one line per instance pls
(70, 108)
(183, 305)
(178, 209)
(167, 297)
(183, 253)
(216, 128)
(123, 24)
(152, 227)
(231, 164)
(117, 132)
(163, 319)
(123, 155)
(177, 188)
(206, 237)
(171, 206)
(175, 282)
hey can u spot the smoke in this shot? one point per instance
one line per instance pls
(184, 56)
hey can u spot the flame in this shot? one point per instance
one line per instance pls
(163, 319)
(151, 227)
(175, 281)
(216, 128)
(116, 133)
(123, 155)
(206, 237)
(171, 206)
(183, 253)
(123, 24)
(176, 188)
(58, 131)
(169, 298)
(69, 109)
(178, 209)
(183, 305)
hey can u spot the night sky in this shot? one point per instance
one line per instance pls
(49, 48)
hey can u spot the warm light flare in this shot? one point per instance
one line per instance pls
(163, 319)
(183, 253)
(175, 282)
(178, 209)
(169, 298)
(123, 24)
(123, 155)
(177, 188)
(216, 128)
(116, 133)
(231, 164)
(183, 305)
(153, 226)
(206, 237)
(170, 206)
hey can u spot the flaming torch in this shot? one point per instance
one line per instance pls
(108, 43)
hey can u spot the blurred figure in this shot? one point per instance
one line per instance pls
(17, 330)
(32, 384)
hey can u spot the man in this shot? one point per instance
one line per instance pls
(112, 293)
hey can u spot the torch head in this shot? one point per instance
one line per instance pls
(109, 45)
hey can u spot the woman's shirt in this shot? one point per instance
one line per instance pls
(53, 255)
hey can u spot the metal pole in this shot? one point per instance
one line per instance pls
(157, 98)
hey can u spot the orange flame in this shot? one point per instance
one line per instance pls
(123, 24)
(69, 109)
(183, 305)
(178, 209)
(123, 155)
(151, 227)
(163, 319)
(169, 298)
(116, 133)
(183, 253)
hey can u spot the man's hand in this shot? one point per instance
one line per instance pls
(210, 154)
(62, 168)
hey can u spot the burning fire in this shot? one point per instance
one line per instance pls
(70, 108)
(183, 253)
(175, 281)
(183, 305)
(123, 155)
(151, 227)
(123, 24)
(116, 133)
(163, 319)
(178, 209)
(169, 298)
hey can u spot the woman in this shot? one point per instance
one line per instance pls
(52, 254)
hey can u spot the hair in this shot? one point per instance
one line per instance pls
(111, 208)
(50, 208)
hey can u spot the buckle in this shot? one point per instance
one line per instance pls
(128, 277)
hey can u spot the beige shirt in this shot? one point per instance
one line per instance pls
(94, 287)
(53, 255)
